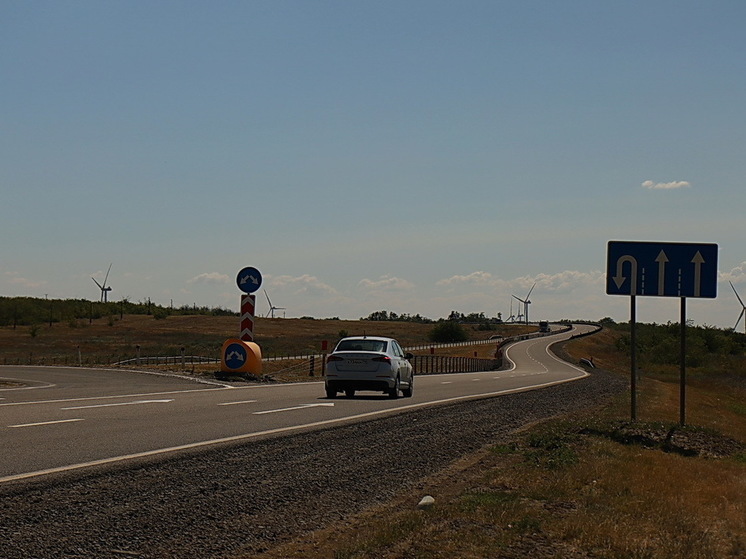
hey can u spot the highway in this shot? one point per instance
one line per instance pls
(62, 419)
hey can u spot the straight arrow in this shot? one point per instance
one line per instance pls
(698, 260)
(662, 260)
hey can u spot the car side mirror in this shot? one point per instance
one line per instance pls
(408, 356)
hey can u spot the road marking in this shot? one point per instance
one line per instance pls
(45, 423)
(235, 403)
(301, 407)
(119, 404)
(447, 382)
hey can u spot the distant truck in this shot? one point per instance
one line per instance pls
(543, 326)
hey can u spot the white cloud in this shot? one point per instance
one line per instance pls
(475, 278)
(650, 185)
(570, 280)
(301, 284)
(17, 281)
(735, 275)
(210, 278)
(386, 283)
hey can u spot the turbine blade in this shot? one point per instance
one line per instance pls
(737, 295)
(267, 296)
(740, 316)
(530, 290)
(107, 274)
(99, 285)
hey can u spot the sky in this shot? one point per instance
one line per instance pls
(415, 156)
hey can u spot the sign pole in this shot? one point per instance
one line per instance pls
(248, 304)
(633, 357)
(682, 359)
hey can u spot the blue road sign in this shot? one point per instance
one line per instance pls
(249, 279)
(662, 269)
(235, 356)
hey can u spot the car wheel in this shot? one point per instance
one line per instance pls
(331, 393)
(349, 392)
(394, 392)
(410, 389)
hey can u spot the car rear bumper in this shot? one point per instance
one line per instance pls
(341, 383)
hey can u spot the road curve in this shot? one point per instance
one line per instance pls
(72, 418)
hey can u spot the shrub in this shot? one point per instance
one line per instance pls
(448, 332)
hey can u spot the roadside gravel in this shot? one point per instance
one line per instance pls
(246, 498)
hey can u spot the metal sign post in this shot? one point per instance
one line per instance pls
(660, 270)
(633, 356)
(242, 355)
(682, 360)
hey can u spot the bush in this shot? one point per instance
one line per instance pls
(448, 332)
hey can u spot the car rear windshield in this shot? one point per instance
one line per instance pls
(362, 345)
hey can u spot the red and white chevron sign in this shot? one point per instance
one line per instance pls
(248, 304)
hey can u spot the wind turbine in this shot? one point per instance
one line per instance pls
(526, 302)
(102, 286)
(512, 316)
(272, 308)
(743, 309)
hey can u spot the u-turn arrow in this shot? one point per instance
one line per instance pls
(620, 278)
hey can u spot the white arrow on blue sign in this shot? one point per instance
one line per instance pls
(662, 269)
(249, 279)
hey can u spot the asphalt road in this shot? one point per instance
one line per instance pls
(71, 418)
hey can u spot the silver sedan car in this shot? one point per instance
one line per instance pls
(369, 363)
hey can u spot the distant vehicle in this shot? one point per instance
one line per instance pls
(369, 363)
(543, 326)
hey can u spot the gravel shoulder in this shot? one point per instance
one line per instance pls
(246, 499)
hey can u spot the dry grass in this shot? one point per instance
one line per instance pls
(567, 489)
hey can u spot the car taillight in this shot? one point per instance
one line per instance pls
(382, 359)
(334, 358)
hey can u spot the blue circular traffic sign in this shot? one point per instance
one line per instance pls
(235, 356)
(249, 279)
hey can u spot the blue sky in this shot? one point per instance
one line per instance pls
(414, 156)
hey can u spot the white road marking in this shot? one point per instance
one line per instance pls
(45, 423)
(235, 403)
(448, 382)
(301, 407)
(119, 396)
(119, 404)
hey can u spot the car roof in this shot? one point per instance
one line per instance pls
(375, 338)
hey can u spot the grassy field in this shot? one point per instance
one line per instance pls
(590, 485)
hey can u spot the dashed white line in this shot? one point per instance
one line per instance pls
(236, 403)
(301, 407)
(137, 402)
(45, 423)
